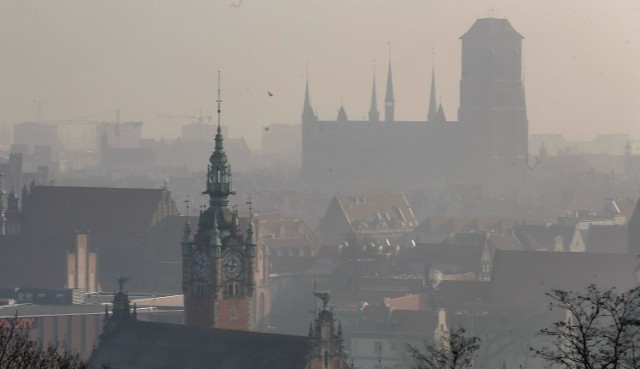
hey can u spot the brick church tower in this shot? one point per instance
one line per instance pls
(218, 263)
(492, 102)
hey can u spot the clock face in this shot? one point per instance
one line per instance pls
(200, 265)
(232, 265)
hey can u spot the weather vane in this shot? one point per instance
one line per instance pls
(324, 296)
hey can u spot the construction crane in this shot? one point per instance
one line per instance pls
(91, 121)
(199, 118)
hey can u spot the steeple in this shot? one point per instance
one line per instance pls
(374, 115)
(218, 263)
(307, 110)
(433, 108)
(219, 170)
(389, 102)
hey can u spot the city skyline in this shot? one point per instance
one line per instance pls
(150, 58)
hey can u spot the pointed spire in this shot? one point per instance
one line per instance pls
(219, 138)
(307, 99)
(389, 102)
(374, 115)
(307, 109)
(219, 170)
(433, 109)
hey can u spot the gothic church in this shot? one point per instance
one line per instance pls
(486, 146)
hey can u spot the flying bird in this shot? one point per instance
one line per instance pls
(269, 93)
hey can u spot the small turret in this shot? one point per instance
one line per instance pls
(121, 305)
(25, 197)
(251, 240)
(215, 244)
(326, 342)
(627, 148)
(342, 114)
(440, 118)
(186, 235)
(12, 215)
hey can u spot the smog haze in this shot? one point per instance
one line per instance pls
(82, 58)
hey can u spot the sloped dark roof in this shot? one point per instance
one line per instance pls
(381, 317)
(491, 28)
(449, 258)
(117, 212)
(523, 277)
(543, 237)
(142, 345)
(611, 238)
(457, 293)
(503, 241)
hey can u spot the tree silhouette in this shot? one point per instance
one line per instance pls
(601, 330)
(457, 351)
(19, 351)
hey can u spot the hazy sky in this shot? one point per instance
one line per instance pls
(149, 57)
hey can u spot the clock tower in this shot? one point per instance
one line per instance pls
(218, 262)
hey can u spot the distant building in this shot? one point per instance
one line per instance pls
(487, 145)
(45, 229)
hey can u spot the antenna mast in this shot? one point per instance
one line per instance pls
(219, 101)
